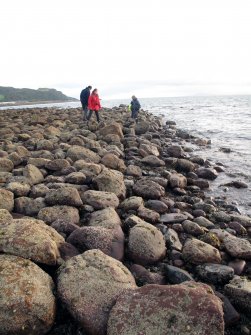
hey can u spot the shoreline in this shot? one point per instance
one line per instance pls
(157, 199)
(24, 103)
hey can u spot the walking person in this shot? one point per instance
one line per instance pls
(84, 96)
(135, 107)
(94, 104)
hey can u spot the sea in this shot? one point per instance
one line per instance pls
(225, 120)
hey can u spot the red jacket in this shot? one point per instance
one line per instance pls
(93, 102)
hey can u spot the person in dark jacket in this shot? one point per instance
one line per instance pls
(84, 96)
(94, 104)
(135, 107)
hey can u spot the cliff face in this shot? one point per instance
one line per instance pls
(8, 94)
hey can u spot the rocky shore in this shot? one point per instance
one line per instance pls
(107, 229)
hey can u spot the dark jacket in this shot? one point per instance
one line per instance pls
(135, 105)
(84, 96)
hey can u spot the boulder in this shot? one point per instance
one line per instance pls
(207, 173)
(111, 181)
(109, 241)
(29, 206)
(27, 303)
(5, 217)
(132, 203)
(90, 301)
(198, 252)
(89, 169)
(148, 215)
(144, 276)
(237, 247)
(77, 152)
(99, 199)
(6, 165)
(189, 308)
(77, 178)
(173, 217)
(133, 170)
(239, 293)
(204, 222)
(153, 161)
(33, 174)
(192, 228)
(148, 189)
(32, 239)
(175, 151)
(142, 127)
(64, 196)
(18, 188)
(157, 206)
(6, 200)
(64, 227)
(177, 180)
(106, 218)
(215, 273)
(172, 240)
(184, 165)
(51, 214)
(149, 149)
(176, 275)
(113, 128)
(113, 162)
(57, 164)
(146, 244)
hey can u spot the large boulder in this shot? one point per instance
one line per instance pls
(27, 303)
(89, 285)
(99, 199)
(5, 217)
(189, 308)
(146, 244)
(64, 196)
(198, 252)
(51, 214)
(148, 189)
(6, 200)
(32, 239)
(111, 181)
(77, 152)
(113, 128)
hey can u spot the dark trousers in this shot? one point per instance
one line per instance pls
(96, 113)
(85, 111)
(134, 114)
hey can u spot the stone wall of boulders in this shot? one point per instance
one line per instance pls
(106, 229)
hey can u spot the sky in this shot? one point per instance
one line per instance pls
(150, 48)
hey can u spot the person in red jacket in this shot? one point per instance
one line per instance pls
(94, 104)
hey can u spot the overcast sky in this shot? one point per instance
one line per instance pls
(146, 47)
